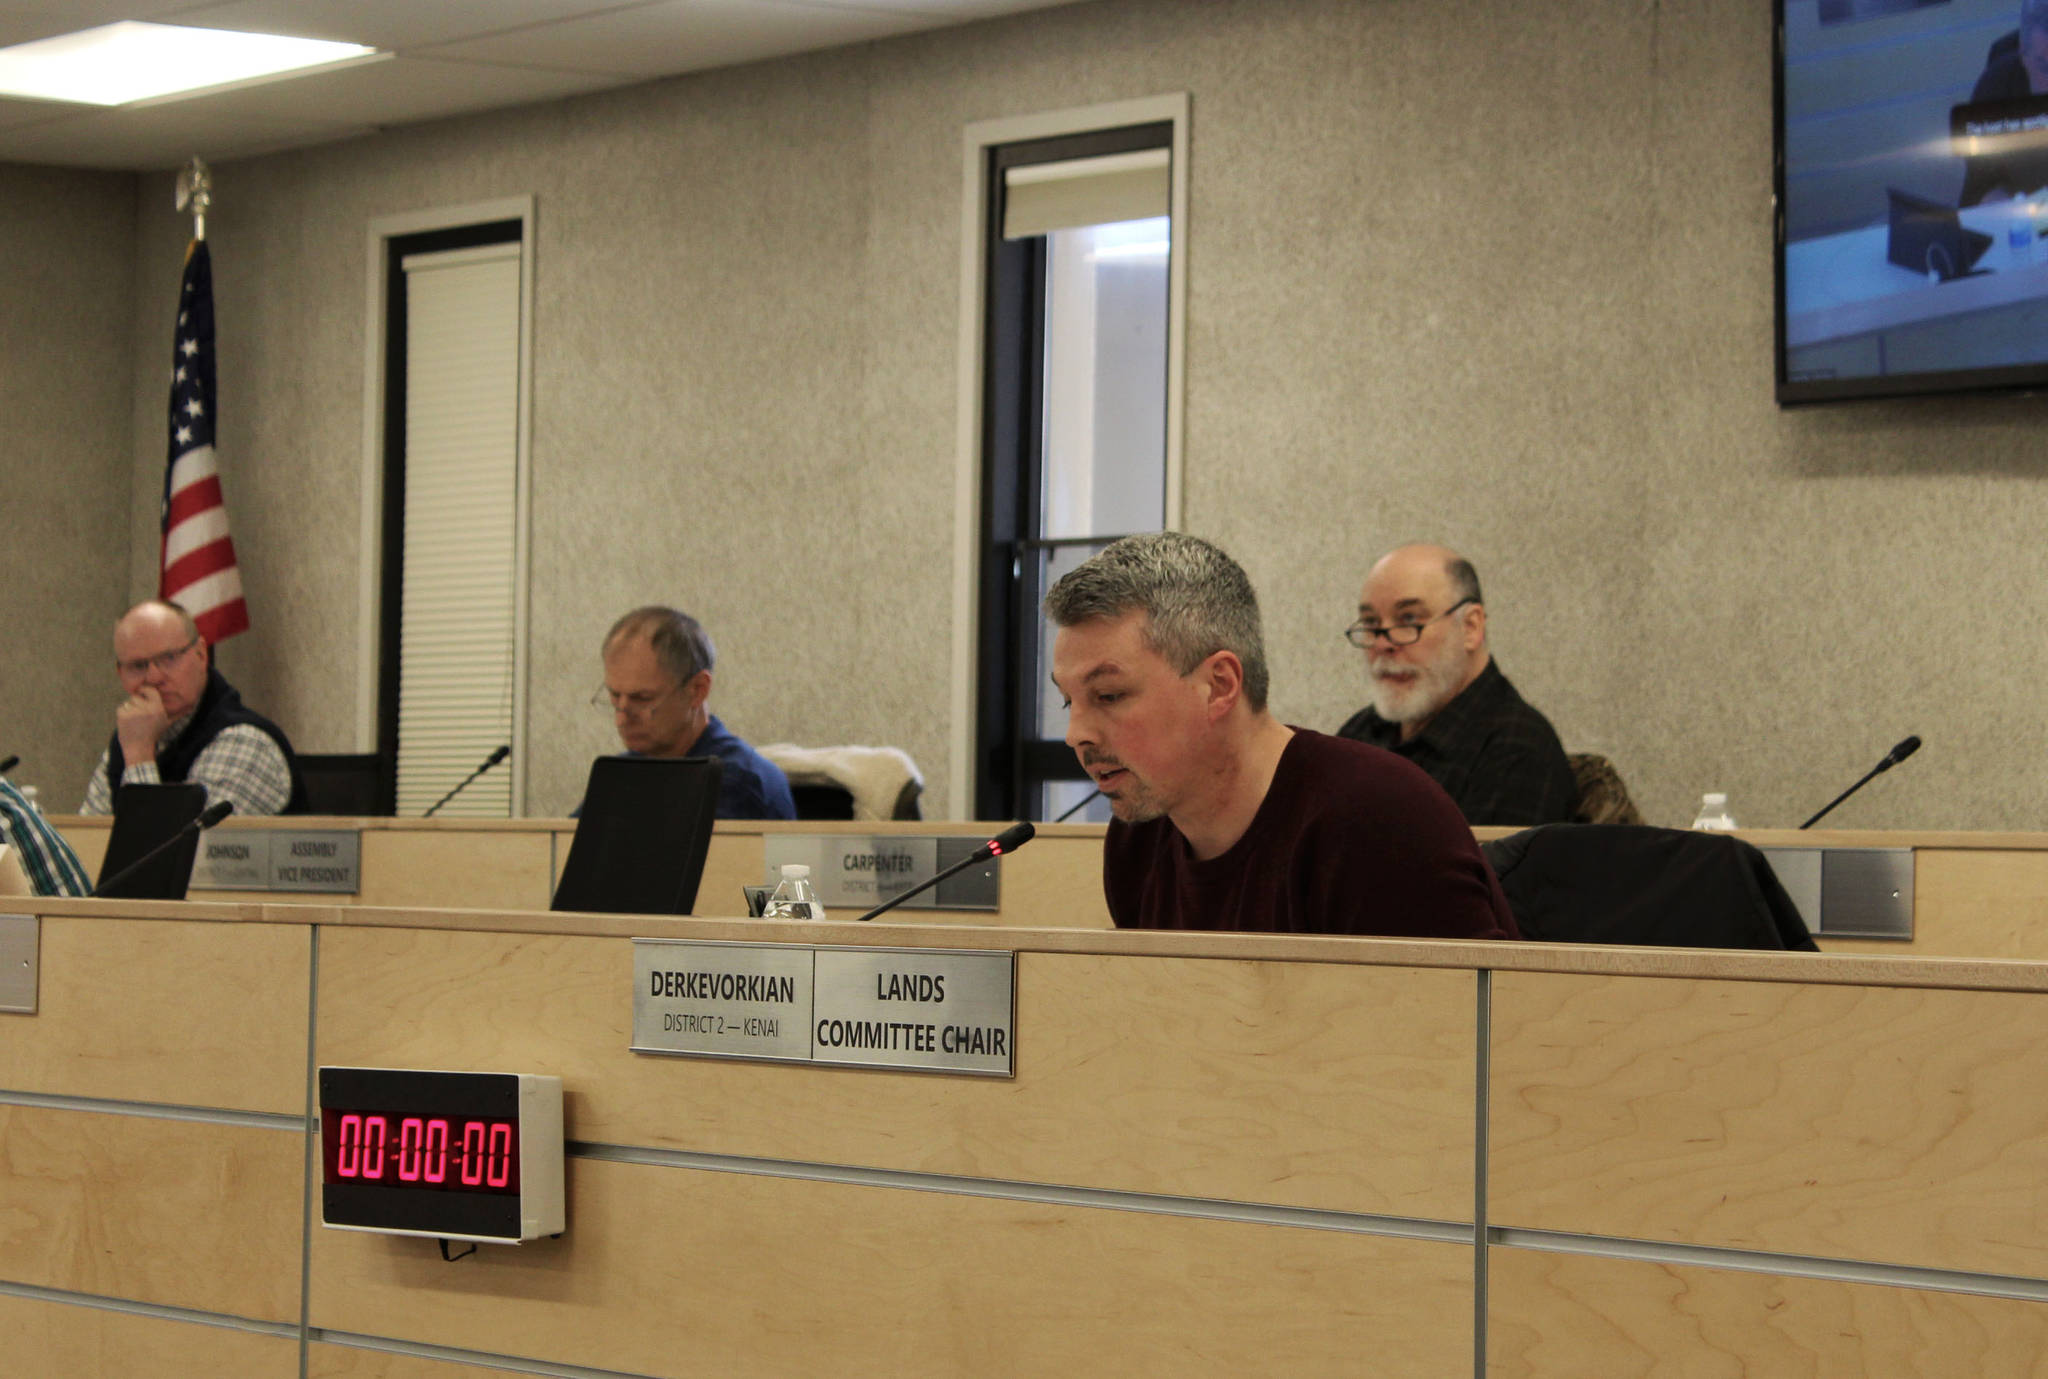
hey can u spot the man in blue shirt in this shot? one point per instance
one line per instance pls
(657, 681)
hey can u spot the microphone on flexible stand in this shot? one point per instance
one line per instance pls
(8, 763)
(208, 817)
(1892, 758)
(492, 760)
(1009, 840)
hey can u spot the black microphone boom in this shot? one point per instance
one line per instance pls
(1009, 840)
(1892, 758)
(208, 817)
(9, 763)
(492, 760)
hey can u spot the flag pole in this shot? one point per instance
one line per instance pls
(195, 188)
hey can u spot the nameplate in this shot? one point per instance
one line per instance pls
(324, 860)
(919, 1009)
(853, 873)
(20, 963)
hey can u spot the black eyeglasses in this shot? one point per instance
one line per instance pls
(1401, 633)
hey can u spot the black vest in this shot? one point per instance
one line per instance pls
(220, 706)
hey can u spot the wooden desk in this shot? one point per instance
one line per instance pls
(1219, 1154)
(514, 864)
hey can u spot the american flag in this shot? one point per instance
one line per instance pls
(198, 557)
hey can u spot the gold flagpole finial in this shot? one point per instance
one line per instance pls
(195, 188)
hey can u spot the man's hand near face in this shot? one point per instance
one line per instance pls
(139, 723)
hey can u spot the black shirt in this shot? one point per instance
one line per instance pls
(1493, 754)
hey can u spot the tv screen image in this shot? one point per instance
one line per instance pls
(1912, 140)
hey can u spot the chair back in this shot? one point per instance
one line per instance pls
(1667, 887)
(642, 836)
(345, 784)
(145, 817)
(1603, 798)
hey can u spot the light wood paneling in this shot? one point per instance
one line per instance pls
(667, 1271)
(1301, 1084)
(1971, 903)
(498, 869)
(328, 1361)
(184, 1213)
(1901, 1126)
(62, 1341)
(1056, 882)
(1278, 1082)
(1572, 1315)
(190, 1014)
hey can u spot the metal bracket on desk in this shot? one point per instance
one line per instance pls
(20, 963)
(1849, 892)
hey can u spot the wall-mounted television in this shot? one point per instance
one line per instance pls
(1912, 196)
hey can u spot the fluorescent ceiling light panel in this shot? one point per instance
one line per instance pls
(117, 64)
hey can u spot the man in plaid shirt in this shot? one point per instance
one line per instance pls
(184, 722)
(46, 859)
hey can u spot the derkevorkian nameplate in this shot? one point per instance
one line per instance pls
(924, 1009)
(324, 860)
(729, 1000)
(915, 1008)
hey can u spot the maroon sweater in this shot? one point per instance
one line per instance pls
(1350, 839)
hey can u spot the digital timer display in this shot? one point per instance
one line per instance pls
(451, 1154)
(461, 1156)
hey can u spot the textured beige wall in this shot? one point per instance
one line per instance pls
(66, 240)
(1494, 275)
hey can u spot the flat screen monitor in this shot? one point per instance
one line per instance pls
(1912, 181)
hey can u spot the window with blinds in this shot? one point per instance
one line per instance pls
(458, 653)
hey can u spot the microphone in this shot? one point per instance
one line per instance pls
(1892, 758)
(8, 763)
(208, 817)
(1009, 840)
(492, 760)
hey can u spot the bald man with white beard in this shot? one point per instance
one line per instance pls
(1439, 700)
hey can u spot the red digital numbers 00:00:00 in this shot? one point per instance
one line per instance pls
(424, 1151)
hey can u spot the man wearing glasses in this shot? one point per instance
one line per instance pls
(657, 687)
(1226, 817)
(182, 721)
(1439, 700)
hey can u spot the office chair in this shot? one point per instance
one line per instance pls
(642, 836)
(1666, 887)
(344, 784)
(849, 782)
(1603, 797)
(146, 816)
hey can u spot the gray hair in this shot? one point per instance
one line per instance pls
(1197, 601)
(680, 642)
(1465, 579)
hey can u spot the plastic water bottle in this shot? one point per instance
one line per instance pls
(1714, 816)
(794, 898)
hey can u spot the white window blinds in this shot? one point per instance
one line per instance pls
(1039, 198)
(457, 647)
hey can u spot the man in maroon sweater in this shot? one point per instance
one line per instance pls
(1226, 818)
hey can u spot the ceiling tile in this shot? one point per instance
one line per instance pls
(15, 113)
(683, 35)
(157, 137)
(399, 90)
(388, 23)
